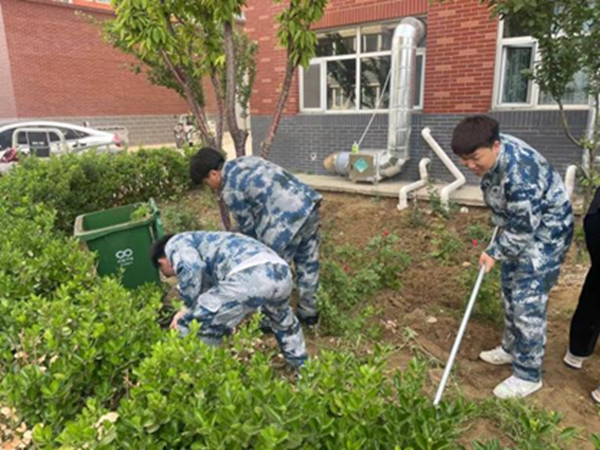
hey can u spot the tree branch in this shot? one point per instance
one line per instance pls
(220, 108)
(267, 143)
(566, 126)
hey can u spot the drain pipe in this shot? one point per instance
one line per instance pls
(570, 177)
(460, 178)
(422, 182)
(585, 163)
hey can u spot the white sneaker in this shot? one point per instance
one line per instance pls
(497, 356)
(574, 362)
(514, 387)
(596, 395)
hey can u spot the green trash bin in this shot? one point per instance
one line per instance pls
(121, 242)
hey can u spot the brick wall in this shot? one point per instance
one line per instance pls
(7, 93)
(261, 27)
(461, 49)
(60, 66)
(304, 141)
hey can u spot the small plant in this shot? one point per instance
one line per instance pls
(142, 212)
(478, 233)
(180, 218)
(531, 428)
(350, 277)
(437, 207)
(447, 245)
(489, 300)
(416, 218)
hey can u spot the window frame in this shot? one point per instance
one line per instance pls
(357, 56)
(534, 90)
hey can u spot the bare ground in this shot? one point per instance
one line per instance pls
(430, 304)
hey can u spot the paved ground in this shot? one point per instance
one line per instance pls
(467, 195)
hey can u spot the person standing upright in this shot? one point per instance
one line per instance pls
(530, 204)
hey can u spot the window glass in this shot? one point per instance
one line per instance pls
(312, 86)
(515, 87)
(377, 38)
(373, 73)
(419, 80)
(513, 28)
(335, 43)
(341, 84)
(576, 92)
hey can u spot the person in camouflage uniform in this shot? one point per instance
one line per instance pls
(271, 205)
(223, 277)
(530, 204)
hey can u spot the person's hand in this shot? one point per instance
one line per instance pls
(182, 312)
(487, 261)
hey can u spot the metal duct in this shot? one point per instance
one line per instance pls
(406, 38)
(389, 162)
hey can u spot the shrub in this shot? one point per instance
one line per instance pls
(33, 259)
(73, 347)
(188, 395)
(76, 184)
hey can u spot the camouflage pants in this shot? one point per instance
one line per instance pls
(303, 252)
(525, 301)
(267, 286)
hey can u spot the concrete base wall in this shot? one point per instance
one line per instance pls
(305, 140)
(143, 130)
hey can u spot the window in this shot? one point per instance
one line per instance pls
(349, 71)
(517, 54)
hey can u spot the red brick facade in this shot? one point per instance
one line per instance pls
(461, 48)
(60, 66)
(461, 51)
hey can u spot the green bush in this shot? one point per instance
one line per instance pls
(33, 259)
(72, 347)
(188, 395)
(76, 184)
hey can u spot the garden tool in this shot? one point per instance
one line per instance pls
(461, 330)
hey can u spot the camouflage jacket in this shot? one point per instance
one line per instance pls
(530, 203)
(266, 202)
(203, 259)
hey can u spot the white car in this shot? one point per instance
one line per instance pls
(45, 138)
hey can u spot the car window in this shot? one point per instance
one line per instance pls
(6, 139)
(72, 135)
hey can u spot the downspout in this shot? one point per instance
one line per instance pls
(390, 161)
(590, 131)
(460, 178)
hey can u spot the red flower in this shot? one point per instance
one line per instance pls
(474, 242)
(346, 269)
(386, 233)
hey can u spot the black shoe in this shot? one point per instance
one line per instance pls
(265, 326)
(309, 321)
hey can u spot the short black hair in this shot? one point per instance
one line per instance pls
(203, 162)
(474, 132)
(158, 249)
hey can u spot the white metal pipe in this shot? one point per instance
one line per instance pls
(439, 151)
(570, 177)
(461, 331)
(424, 179)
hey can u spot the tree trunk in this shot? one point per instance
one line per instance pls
(192, 102)
(238, 135)
(220, 109)
(265, 146)
(224, 215)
